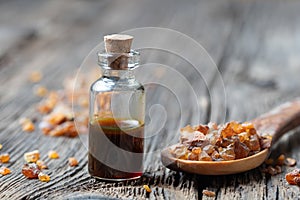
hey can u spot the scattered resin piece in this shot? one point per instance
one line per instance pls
(60, 107)
(208, 193)
(41, 164)
(290, 162)
(48, 104)
(73, 162)
(40, 91)
(0, 146)
(275, 167)
(32, 157)
(147, 188)
(270, 170)
(4, 171)
(56, 118)
(28, 127)
(23, 120)
(65, 129)
(280, 160)
(53, 155)
(293, 178)
(4, 158)
(278, 169)
(43, 177)
(31, 170)
(45, 127)
(27, 124)
(35, 76)
(269, 161)
(60, 122)
(214, 142)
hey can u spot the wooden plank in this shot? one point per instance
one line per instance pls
(237, 34)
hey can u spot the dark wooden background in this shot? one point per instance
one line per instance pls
(255, 44)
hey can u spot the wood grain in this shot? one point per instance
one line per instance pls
(254, 44)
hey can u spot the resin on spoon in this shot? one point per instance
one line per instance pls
(268, 127)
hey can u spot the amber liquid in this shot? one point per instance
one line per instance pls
(116, 149)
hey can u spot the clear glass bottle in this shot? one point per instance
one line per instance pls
(116, 126)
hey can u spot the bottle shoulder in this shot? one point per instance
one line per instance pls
(106, 84)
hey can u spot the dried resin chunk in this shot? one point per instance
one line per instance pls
(254, 144)
(4, 171)
(280, 160)
(293, 178)
(31, 170)
(147, 188)
(203, 156)
(73, 162)
(67, 129)
(214, 142)
(180, 152)
(32, 156)
(56, 118)
(35, 76)
(43, 177)
(241, 150)
(278, 169)
(227, 153)
(270, 170)
(290, 162)
(4, 158)
(41, 164)
(40, 91)
(208, 193)
(53, 154)
(48, 104)
(27, 125)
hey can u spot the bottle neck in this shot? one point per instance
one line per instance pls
(118, 74)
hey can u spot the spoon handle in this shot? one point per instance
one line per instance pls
(279, 120)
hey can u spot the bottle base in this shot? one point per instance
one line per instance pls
(116, 179)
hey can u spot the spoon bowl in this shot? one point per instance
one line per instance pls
(274, 123)
(213, 167)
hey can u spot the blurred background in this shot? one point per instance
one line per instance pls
(255, 42)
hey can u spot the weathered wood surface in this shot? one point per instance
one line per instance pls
(255, 45)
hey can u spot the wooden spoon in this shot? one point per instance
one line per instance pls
(274, 123)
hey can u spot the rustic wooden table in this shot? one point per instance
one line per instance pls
(255, 44)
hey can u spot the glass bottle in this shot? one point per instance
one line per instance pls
(116, 126)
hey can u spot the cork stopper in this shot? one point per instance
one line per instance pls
(118, 45)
